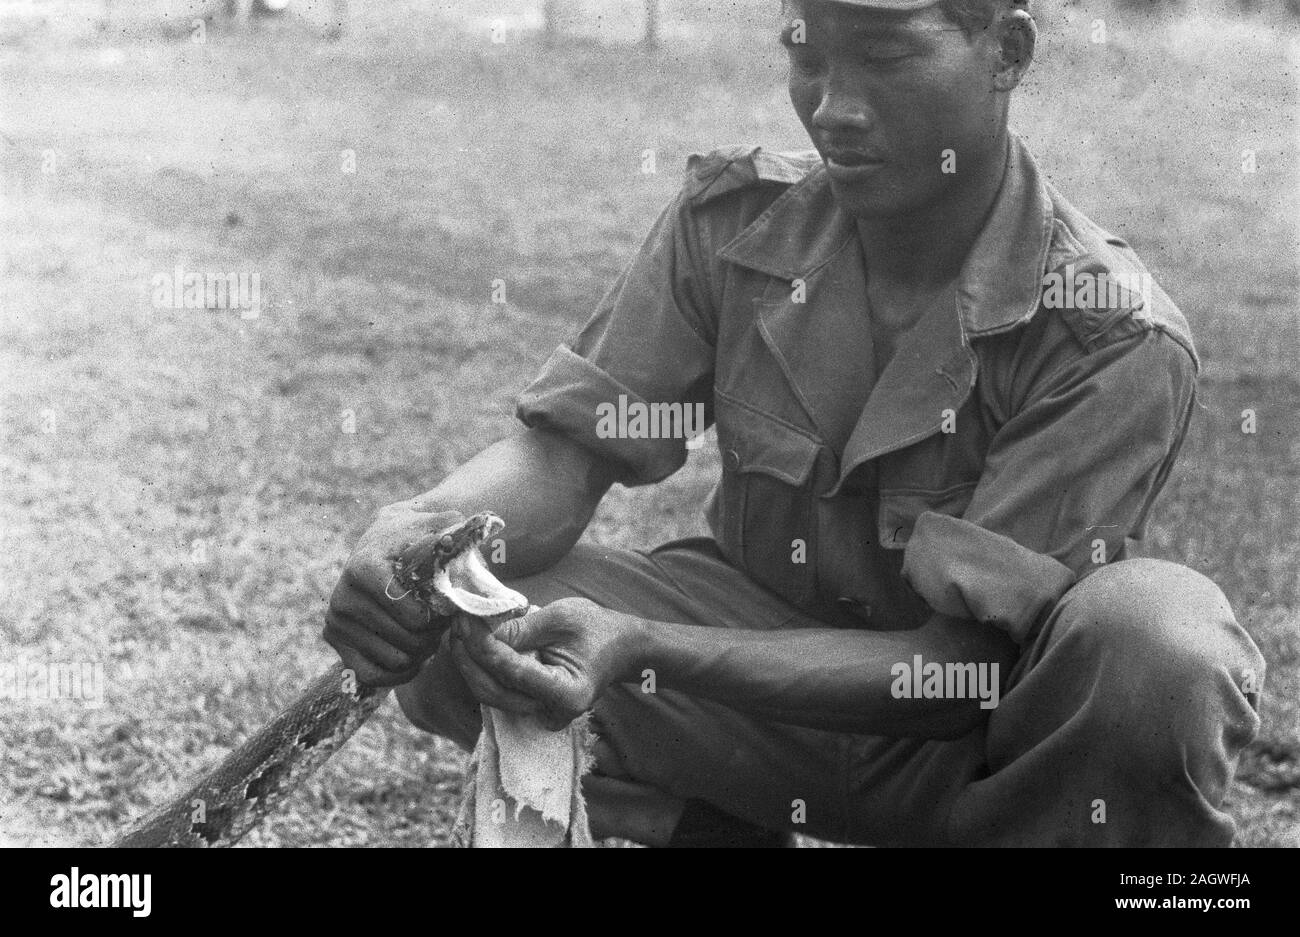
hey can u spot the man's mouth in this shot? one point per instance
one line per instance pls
(850, 165)
(849, 156)
(850, 159)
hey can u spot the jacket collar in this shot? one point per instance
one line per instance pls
(1000, 283)
(804, 234)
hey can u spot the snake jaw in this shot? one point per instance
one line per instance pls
(446, 571)
(482, 594)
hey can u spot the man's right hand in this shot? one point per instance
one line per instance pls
(382, 639)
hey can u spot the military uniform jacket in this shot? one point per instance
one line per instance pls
(1013, 442)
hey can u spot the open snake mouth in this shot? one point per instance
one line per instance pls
(467, 583)
(447, 571)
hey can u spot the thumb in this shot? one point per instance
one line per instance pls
(525, 633)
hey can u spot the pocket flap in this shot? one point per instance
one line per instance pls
(752, 441)
(899, 510)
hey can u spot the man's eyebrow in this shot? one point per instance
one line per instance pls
(876, 32)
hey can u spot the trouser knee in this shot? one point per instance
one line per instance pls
(1168, 664)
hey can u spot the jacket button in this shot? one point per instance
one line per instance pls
(731, 460)
(854, 606)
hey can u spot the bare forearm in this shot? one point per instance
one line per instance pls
(826, 678)
(543, 486)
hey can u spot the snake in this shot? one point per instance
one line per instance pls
(446, 573)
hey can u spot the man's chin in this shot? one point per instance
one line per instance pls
(872, 201)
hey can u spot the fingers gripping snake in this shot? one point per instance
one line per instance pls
(446, 573)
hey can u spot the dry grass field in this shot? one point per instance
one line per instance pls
(178, 490)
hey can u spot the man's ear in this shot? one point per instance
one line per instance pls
(1016, 35)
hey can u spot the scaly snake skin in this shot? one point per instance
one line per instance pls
(251, 781)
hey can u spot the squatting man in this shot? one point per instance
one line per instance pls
(921, 463)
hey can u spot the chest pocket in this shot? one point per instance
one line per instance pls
(900, 507)
(767, 513)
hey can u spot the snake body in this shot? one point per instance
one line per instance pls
(444, 571)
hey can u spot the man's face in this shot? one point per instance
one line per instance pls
(884, 95)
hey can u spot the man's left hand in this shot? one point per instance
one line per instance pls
(552, 663)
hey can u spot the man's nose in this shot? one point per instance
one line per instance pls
(842, 107)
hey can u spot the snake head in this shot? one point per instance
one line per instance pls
(445, 570)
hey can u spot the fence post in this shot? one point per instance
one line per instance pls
(651, 37)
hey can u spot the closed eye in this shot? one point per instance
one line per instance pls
(883, 54)
(882, 62)
(887, 53)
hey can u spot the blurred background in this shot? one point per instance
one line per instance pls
(419, 200)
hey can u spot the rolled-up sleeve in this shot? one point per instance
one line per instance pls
(1081, 461)
(650, 342)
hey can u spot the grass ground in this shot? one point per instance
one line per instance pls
(178, 489)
